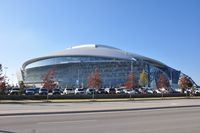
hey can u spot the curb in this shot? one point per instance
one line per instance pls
(99, 111)
(94, 100)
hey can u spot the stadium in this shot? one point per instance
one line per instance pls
(74, 65)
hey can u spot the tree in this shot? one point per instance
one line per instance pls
(49, 79)
(131, 82)
(143, 79)
(185, 83)
(2, 80)
(94, 80)
(21, 86)
(162, 82)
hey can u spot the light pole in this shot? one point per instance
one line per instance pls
(5, 69)
(132, 59)
(12, 79)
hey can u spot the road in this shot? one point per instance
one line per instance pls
(92, 106)
(180, 120)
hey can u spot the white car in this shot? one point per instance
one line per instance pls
(68, 91)
(90, 91)
(119, 91)
(197, 91)
(149, 91)
(14, 91)
(130, 91)
(79, 91)
(156, 91)
(110, 90)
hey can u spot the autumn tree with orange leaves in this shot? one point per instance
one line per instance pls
(185, 83)
(131, 81)
(94, 80)
(49, 79)
(163, 82)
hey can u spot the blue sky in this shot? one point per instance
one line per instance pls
(166, 30)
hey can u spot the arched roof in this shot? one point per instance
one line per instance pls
(96, 50)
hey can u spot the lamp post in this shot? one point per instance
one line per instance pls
(5, 77)
(132, 59)
(77, 81)
(12, 79)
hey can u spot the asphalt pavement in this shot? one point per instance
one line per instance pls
(176, 120)
(54, 108)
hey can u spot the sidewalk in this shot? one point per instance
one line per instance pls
(53, 108)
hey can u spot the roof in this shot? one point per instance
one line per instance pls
(96, 50)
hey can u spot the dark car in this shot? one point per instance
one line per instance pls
(43, 91)
(30, 91)
(37, 90)
(56, 92)
(110, 90)
(101, 91)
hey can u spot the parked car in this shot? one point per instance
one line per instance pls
(30, 91)
(176, 90)
(110, 91)
(196, 91)
(37, 91)
(68, 91)
(90, 91)
(119, 90)
(14, 91)
(56, 92)
(43, 91)
(141, 90)
(101, 91)
(7, 91)
(130, 91)
(79, 91)
(156, 91)
(148, 91)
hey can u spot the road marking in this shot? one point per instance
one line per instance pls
(174, 104)
(60, 122)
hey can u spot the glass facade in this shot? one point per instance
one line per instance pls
(74, 71)
(64, 60)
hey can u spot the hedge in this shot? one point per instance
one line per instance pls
(97, 96)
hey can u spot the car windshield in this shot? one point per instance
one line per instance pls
(43, 89)
(80, 89)
(30, 89)
(69, 89)
(16, 89)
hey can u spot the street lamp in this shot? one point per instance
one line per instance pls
(132, 59)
